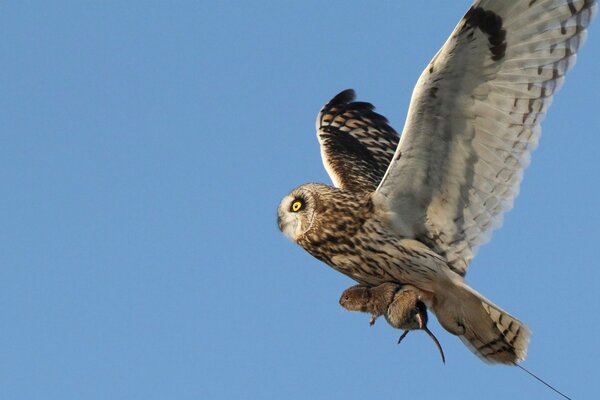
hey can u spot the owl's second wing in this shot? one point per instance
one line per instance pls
(474, 120)
(357, 144)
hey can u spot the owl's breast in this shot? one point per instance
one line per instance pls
(348, 235)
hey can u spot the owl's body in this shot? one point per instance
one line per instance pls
(414, 211)
(347, 225)
(344, 230)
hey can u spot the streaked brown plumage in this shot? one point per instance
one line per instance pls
(400, 306)
(349, 232)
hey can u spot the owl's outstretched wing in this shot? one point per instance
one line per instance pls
(357, 144)
(474, 120)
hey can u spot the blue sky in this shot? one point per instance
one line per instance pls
(145, 148)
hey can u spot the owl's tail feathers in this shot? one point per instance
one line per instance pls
(488, 331)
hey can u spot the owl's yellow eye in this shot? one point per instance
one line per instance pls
(296, 206)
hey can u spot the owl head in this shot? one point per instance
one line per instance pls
(297, 211)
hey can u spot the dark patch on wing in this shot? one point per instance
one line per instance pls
(489, 23)
(358, 144)
(433, 92)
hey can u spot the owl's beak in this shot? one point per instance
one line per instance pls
(282, 221)
(288, 224)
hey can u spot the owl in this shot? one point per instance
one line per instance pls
(414, 209)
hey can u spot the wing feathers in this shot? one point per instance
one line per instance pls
(357, 144)
(464, 148)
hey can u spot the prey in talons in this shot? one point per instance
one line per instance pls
(399, 304)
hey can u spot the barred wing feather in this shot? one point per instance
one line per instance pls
(357, 144)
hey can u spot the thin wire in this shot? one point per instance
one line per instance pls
(541, 380)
